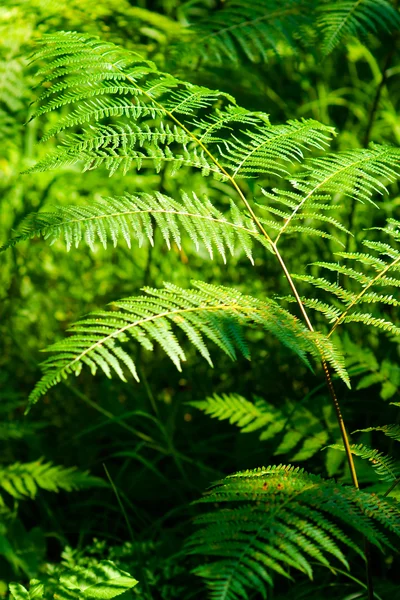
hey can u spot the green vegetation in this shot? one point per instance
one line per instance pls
(201, 227)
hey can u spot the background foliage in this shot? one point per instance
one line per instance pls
(148, 446)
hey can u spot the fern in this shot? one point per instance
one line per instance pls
(253, 30)
(290, 427)
(373, 275)
(22, 480)
(102, 580)
(102, 81)
(133, 216)
(357, 174)
(355, 17)
(383, 465)
(214, 312)
(248, 416)
(392, 431)
(278, 519)
(119, 112)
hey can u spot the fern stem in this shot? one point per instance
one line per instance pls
(327, 374)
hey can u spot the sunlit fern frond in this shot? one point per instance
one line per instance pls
(370, 277)
(252, 30)
(384, 466)
(100, 579)
(129, 114)
(134, 217)
(274, 520)
(23, 480)
(258, 151)
(292, 428)
(213, 312)
(357, 174)
(355, 17)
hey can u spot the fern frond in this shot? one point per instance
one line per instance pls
(215, 312)
(392, 431)
(11, 84)
(98, 581)
(357, 174)
(331, 313)
(159, 118)
(279, 518)
(258, 151)
(130, 217)
(349, 301)
(25, 479)
(240, 28)
(355, 17)
(298, 425)
(248, 416)
(383, 465)
(370, 321)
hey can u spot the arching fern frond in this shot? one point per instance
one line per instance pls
(22, 480)
(276, 519)
(129, 113)
(250, 29)
(215, 312)
(130, 217)
(383, 465)
(355, 17)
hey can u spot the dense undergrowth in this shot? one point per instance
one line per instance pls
(206, 240)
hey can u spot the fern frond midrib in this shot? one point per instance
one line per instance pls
(154, 211)
(166, 313)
